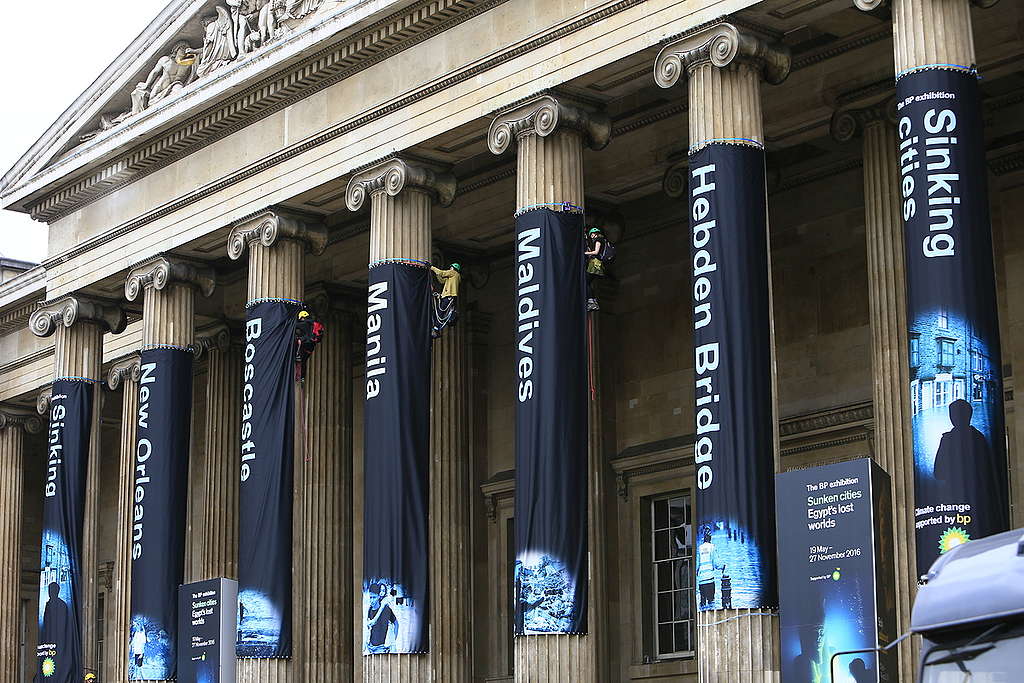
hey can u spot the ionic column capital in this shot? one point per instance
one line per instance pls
(393, 175)
(67, 310)
(129, 368)
(215, 337)
(11, 416)
(270, 225)
(542, 116)
(161, 270)
(43, 401)
(868, 5)
(847, 124)
(721, 44)
(676, 179)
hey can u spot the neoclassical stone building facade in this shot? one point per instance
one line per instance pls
(243, 151)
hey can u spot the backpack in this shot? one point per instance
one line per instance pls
(607, 254)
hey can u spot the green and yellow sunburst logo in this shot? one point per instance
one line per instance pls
(49, 667)
(952, 537)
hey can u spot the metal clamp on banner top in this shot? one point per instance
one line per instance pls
(408, 261)
(567, 207)
(75, 379)
(746, 142)
(188, 349)
(273, 298)
(972, 69)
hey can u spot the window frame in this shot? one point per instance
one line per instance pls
(651, 567)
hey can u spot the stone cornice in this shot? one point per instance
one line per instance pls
(161, 270)
(20, 418)
(393, 175)
(16, 318)
(544, 115)
(123, 371)
(270, 225)
(847, 124)
(721, 44)
(68, 310)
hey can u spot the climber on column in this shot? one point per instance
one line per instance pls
(600, 252)
(308, 332)
(446, 303)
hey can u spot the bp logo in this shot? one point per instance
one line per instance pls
(836, 575)
(952, 537)
(49, 667)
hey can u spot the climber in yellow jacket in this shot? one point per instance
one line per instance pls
(446, 308)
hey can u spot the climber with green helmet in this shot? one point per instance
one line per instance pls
(599, 252)
(446, 309)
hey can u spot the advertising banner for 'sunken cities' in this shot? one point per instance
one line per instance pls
(734, 450)
(206, 631)
(956, 389)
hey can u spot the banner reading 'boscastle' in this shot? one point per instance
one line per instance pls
(396, 460)
(159, 498)
(734, 451)
(960, 482)
(265, 493)
(59, 652)
(551, 424)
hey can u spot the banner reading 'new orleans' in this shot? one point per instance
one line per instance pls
(960, 482)
(160, 492)
(734, 451)
(550, 590)
(265, 492)
(59, 652)
(397, 460)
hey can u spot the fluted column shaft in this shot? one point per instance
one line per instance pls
(725, 103)
(12, 451)
(932, 32)
(119, 619)
(323, 476)
(168, 316)
(450, 541)
(218, 551)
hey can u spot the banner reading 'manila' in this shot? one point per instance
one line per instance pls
(956, 389)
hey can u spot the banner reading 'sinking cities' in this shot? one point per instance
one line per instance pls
(396, 460)
(733, 453)
(265, 492)
(960, 482)
(551, 424)
(159, 498)
(59, 653)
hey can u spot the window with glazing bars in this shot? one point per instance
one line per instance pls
(671, 569)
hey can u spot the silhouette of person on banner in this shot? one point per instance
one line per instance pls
(707, 565)
(380, 619)
(860, 672)
(138, 645)
(962, 448)
(55, 614)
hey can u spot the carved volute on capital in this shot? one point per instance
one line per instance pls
(721, 44)
(676, 180)
(11, 416)
(544, 115)
(868, 5)
(393, 175)
(68, 310)
(216, 337)
(129, 368)
(270, 225)
(161, 270)
(847, 124)
(43, 401)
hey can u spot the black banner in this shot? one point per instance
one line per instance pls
(734, 451)
(550, 589)
(159, 498)
(265, 494)
(396, 460)
(59, 653)
(206, 626)
(836, 579)
(956, 388)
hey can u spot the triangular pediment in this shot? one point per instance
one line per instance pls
(172, 68)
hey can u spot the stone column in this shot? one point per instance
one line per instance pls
(123, 375)
(218, 549)
(725, 67)
(78, 324)
(883, 228)
(14, 423)
(550, 132)
(401, 194)
(277, 240)
(323, 481)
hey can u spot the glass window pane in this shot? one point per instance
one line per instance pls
(661, 545)
(682, 641)
(661, 514)
(665, 646)
(680, 543)
(681, 575)
(681, 602)
(664, 607)
(664, 576)
(677, 511)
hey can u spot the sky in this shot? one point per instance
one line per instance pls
(51, 59)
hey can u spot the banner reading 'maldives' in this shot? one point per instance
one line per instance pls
(551, 424)
(960, 482)
(159, 498)
(59, 652)
(396, 460)
(734, 451)
(265, 493)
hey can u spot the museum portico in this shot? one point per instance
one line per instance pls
(244, 153)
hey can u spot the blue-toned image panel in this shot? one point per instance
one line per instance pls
(150, 650)
(729, 572)
(55, 582)
(259, 625)
(546, 594)
(392, 619)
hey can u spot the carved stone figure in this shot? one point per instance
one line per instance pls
(271, 14)
(171, 73)
(219, 46)
(297, 9)
(242, 14)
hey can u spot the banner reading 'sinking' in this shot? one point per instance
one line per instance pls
(960, 480)
(59, 653)
(734, 452)
(265, 493)
(396, 460)
(551, 424)
(159, 504)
